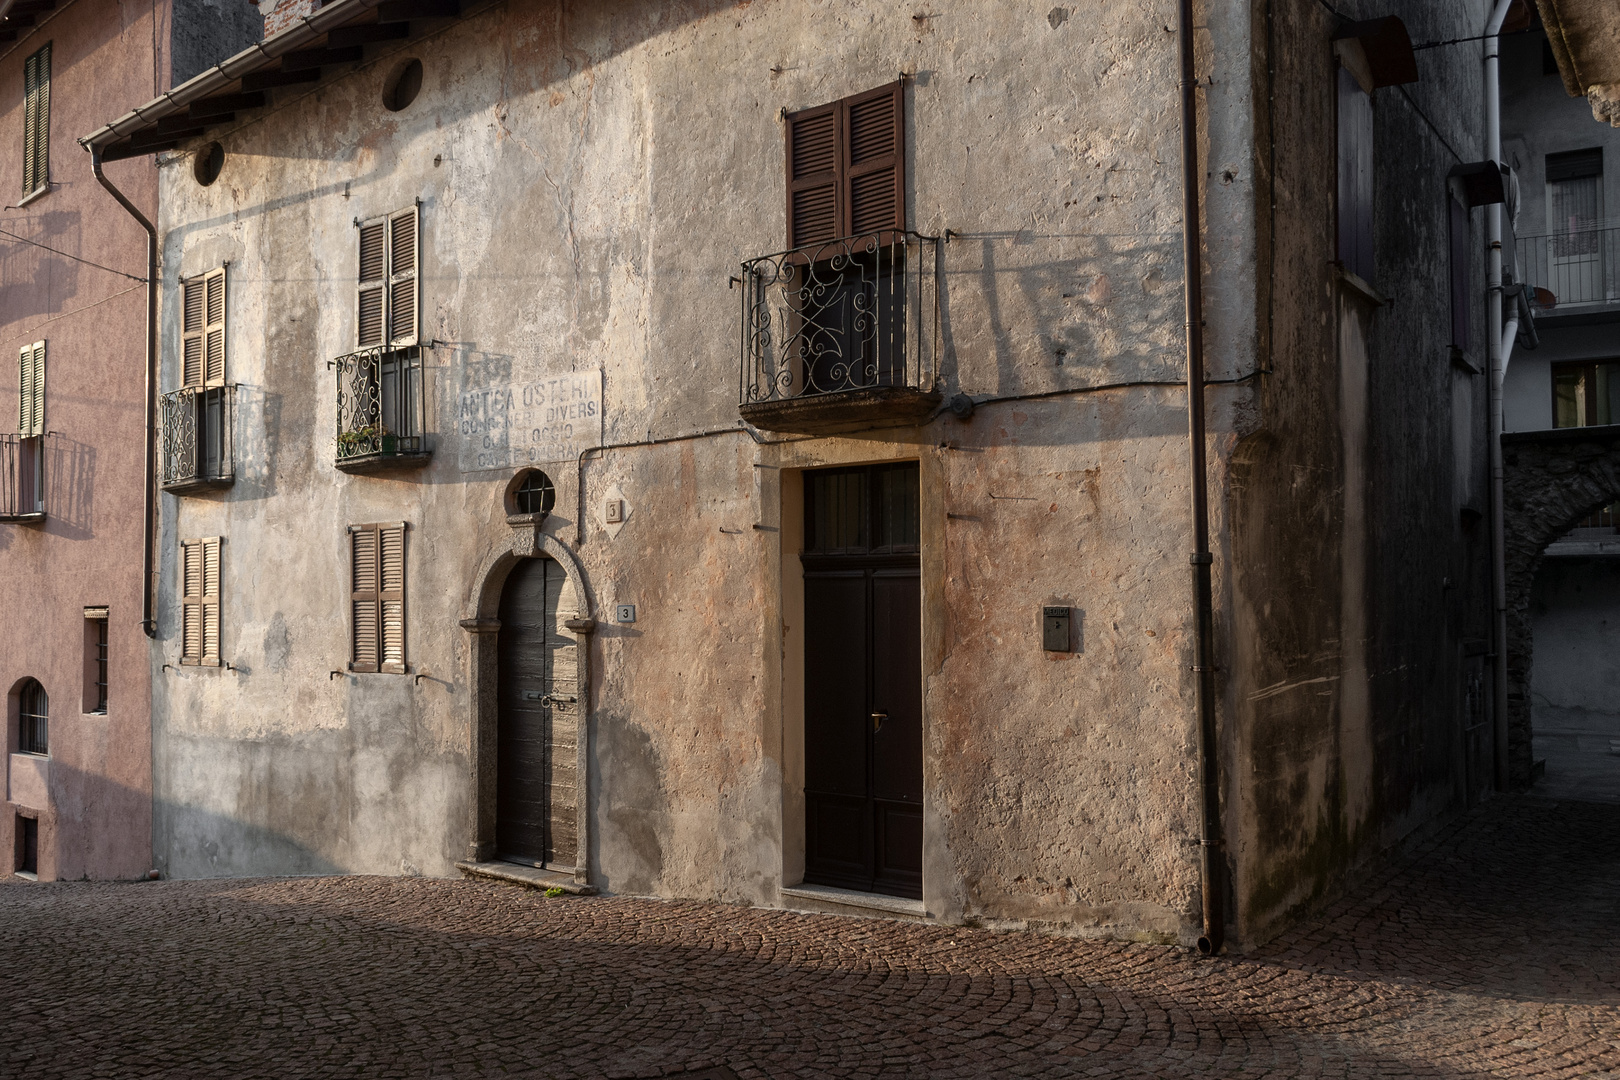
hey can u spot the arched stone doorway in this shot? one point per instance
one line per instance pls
(1552, 480)
(573, 611)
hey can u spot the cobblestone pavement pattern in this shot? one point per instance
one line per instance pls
(1492, 951)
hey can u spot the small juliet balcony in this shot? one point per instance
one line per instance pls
(196, 445)
(22, 478)
(842, 335)
(379, 411)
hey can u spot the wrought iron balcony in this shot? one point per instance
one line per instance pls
(22, 477)
(379, 410)
(196, 445)
(1579, 266)
(841, 335)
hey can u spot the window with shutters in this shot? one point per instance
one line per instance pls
(1355, 188)
(36, 156)
(195, 448)
(379, 385)
(22, 456)
(199, 601)
(377, 597)
(849, 306)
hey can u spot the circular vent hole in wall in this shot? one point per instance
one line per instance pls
(403, 84)
(209, 160)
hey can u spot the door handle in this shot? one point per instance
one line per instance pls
(877, 721)
(557, 699)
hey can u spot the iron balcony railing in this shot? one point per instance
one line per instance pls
(379, 405)
(196, 447)
(1579, 266)
(840, 316)
(22, 477)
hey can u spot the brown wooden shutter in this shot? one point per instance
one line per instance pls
(369, 321)
(31, 389)
(391, 596)
(403, 294)
(363, 597)
(214, 351)
(814, 172)
(846, 166)
(875, 173)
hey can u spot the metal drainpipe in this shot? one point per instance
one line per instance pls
(148, 621)
(1493, 343)
(1213, 885)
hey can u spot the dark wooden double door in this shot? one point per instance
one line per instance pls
(537, 741)
(863, 680)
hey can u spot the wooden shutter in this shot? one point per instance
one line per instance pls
(813, 172)
(1459, 229)
(214, 329)
(36, 120)
(370, 316)
(875, 174)
(199, 601)
(363, 597)
(31, 389)
(846, 166)
(403, 280)
(1355, 202)
(193, 330)
(391, 596)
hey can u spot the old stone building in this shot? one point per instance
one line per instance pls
(741, 450)
(73, 298)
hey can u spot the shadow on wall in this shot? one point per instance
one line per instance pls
(70, 481)
(37, 282)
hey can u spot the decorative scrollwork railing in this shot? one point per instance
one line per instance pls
(379, 403)
(196, 447)
(839, 316)
(22, 477)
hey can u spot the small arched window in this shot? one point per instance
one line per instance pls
(535, 494)
(34, 735)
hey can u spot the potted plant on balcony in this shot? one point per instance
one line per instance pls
(372, 438)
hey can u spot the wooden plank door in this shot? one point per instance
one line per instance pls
(863, 681)
(536, 744)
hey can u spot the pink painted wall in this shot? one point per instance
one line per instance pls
(92, 795)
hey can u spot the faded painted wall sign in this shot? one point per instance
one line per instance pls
(550, 419)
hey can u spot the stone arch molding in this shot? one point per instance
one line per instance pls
(524, 540)
(1551, 481)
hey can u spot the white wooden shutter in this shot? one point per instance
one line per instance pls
(193, 330)
(199, 601)
(36, 120)
(214, 330)
(370, 308)
(31, 389)
(391, 596)
(403, 280)
(363, 597)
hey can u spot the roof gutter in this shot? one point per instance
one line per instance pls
(222, 75)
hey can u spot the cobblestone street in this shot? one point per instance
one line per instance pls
(1491, 951)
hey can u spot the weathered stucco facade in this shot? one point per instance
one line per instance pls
(589, 178)
(72, 268)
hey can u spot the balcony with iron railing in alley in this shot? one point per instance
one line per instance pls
(22, 477)
(196, 438)
(379, 410)
(840, 335)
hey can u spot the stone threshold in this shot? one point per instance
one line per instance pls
(830, 901)
(530, 877)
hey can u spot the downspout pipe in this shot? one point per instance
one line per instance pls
(1213, 883)
(148, 620)
(1494, 334)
